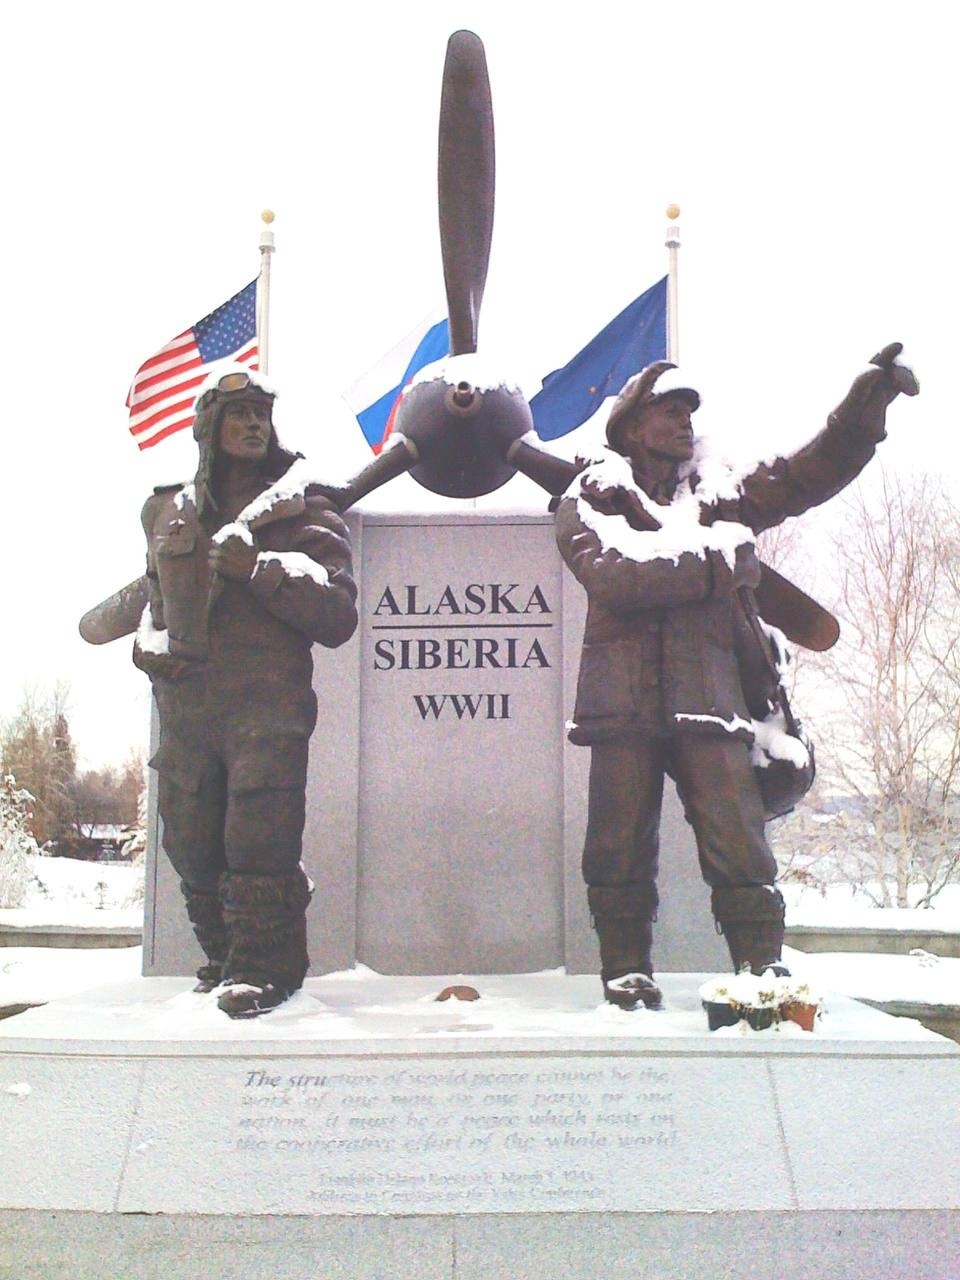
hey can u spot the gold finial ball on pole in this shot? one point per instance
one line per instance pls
(673, 212)
(267, 216)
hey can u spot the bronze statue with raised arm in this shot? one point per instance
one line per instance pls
(662, 540)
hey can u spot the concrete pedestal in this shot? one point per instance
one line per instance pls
(367, 1130)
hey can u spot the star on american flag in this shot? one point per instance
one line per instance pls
(162, 396)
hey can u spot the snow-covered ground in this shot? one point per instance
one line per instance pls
(68, 892)
(362, 1005)
(351, 1003)
(845, 906)
(34, 975)
(918, 978)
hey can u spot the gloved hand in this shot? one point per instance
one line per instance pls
(233, 555)
(865, 404)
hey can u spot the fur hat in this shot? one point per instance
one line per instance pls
(637, 393)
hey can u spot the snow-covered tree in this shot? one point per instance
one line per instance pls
(35, 747)
(16, 843)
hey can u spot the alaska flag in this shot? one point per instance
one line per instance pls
(636, 338)
(375, 397)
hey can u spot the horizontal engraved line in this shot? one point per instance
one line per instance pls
(460, 626)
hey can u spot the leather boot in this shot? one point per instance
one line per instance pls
(206, 916)
(751, 919)
(623, 917)
(267, 929)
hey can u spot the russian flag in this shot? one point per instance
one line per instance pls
(375, 397)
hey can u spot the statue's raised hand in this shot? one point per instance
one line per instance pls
(865, 405)
(900, 375)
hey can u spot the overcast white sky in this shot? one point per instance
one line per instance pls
(812, 150)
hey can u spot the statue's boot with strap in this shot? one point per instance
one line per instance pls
(751, 918)
(623, 917)
(206, 916)
(266, 924)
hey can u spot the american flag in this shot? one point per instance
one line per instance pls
(165, 386)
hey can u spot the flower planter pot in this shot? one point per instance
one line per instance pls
(804, 1015)
(762, 1018)
(720, 1013)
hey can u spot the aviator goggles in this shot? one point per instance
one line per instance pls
(238, 382)
(234, 385)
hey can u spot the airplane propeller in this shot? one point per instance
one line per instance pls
(457, 435)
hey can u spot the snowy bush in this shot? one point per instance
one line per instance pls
(16, 842)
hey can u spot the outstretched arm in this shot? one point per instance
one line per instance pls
(789, 486)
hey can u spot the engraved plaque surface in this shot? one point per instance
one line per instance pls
(435, 1134)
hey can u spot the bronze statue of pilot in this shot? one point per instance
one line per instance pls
(247, 570)
(665, 551)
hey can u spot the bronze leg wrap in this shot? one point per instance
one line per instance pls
(623, 916)
(267, 929)
(206, 916)
(751, 919)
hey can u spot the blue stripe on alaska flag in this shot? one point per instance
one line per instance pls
(376, 416)
(635, 338)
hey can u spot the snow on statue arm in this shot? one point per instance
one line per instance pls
(308, 583)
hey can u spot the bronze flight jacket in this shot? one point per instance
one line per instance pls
(659, 641)
(301, 593)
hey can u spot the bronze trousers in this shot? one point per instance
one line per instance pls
(720, 798)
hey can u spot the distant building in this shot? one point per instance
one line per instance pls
(96, 842)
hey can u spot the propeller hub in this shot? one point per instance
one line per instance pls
(464, 399)
(462, 434)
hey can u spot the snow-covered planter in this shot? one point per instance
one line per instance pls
(719, 1008)
(802, 1005)
(760, 1000)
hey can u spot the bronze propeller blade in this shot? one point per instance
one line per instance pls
(783, 604)
(466, 181)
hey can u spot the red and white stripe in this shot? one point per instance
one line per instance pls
(162, 397)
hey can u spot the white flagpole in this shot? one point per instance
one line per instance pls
(263, 292)
(673, 244)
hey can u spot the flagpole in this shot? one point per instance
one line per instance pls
(263, 292)
(672, 244)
